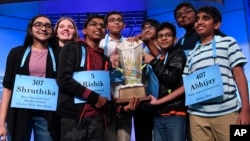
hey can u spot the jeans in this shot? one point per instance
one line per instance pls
(170, 128)
(40, 130)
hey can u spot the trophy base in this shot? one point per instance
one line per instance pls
(126, 93)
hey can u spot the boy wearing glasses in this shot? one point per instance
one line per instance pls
(119, 125)
(148, 36)
(82, 120)
(144, 112)
(170, 115)
(184, 14)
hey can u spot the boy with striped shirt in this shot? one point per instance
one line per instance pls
(211, 119)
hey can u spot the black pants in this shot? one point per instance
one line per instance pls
(143, 120)
(89, 129)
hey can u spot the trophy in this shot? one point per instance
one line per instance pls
(130, 55)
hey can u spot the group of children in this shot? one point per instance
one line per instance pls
(98, 118)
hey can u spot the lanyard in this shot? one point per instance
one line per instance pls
(144, 45)
(27, 51)
(196, 46)
(106, 43)
(83, 57)
(182, 41)
(165, 59)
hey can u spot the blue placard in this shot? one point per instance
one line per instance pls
(32, 92)
(203, 85)
(96, 80)
(153, 84)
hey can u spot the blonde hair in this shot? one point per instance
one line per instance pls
(76, 35)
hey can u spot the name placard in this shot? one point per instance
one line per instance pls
(32, 92)
(96, 80)
(203, 85)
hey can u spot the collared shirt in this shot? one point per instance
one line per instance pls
(111, 44)
(228, 55)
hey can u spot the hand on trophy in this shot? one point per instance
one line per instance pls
(114, 59)
(141, 37)
(134, 39)
(132, 105)
(153, 100)
(147, 58)
(100, 102)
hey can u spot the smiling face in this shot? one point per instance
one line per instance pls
(205, 25)
(41, 29)
(148, 31)
(65, 31)
(165, 38)
(95, 29)
(115, 23)
(185, 17)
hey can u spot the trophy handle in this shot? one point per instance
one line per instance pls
(119, 69)
(143, 66)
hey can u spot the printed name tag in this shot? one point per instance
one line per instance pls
(97, 81)
(32, 92)
(203, 85)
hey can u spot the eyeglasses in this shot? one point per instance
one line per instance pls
(40, 26)
(148, 28)
(186, 11)
(112, 20)
(95, 24)
(167, 35)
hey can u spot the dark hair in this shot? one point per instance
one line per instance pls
(211, 11)
(184, 4)
(167, 25)
(219, 32)
(29, 36)
(112, 13)
(90, 17)
(215, 14)
(152, 22)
